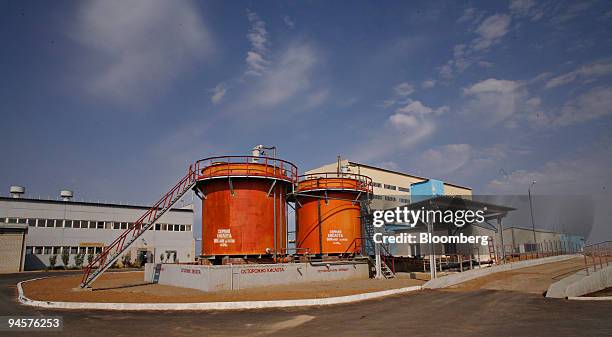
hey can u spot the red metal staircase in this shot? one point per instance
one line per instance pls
(112, 252)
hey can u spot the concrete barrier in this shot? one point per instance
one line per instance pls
(209, 305)
(581, 284)
(454, 279)
(234, 277)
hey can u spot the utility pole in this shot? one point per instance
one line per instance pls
(531, 209)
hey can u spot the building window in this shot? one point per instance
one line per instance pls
(157, 227)
(74, 250)
(38, 250)
(182, 228)
(68, 223)
(375, 184)
(378, 197)
(404, 201)
(32, 222)
(59, 223)
(164, 227)
(388, 198)
(188, 228)
(100, 225)
(390, 187)
(50, 223)
(98, 250)
(403, 189)
(47, 250)
(12, 220)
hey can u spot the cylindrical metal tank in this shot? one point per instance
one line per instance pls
(328, 212)
(244, 209)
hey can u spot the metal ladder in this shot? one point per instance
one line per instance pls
(112, 252)
(492, 255)
(370, 231)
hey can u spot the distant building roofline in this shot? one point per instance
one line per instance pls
(541, 230)
(87, 203)
(404, 174)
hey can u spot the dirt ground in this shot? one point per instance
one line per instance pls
(534, 280)
(129, 287)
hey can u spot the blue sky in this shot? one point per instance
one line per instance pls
(115, 98)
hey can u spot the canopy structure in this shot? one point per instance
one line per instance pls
(449, 203)
(454, 203)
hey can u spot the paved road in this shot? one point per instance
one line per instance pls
(426, 313)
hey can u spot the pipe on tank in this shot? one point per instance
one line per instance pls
(274, 215)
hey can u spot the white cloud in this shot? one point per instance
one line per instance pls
(287, 20)
(492, 85)
(430, 83)
(526, 8)
(497, 100)
(407, 126)
(594, 104)
(258, 37)
(218, 93)
(142, 45)
(403, 89)
(571, 12)
(290, 76)
(471, 15)
(586, 173)
(446, 159)
(587, 72)
(417, 108)
(389, 165)
(491, 30)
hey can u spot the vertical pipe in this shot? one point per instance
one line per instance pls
(319, 224)
(501, 232)
(274, 214)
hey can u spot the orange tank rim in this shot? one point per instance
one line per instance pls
(246, 167)
(333, 181)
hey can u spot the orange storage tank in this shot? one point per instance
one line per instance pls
(328, 212)
(244, 210)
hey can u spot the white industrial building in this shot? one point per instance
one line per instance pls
(43, 228)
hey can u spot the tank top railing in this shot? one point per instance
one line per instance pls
(334, 180)
(248, 166)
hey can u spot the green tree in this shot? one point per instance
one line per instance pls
(78, 260)
(52, 261)
(90, 258)
(65, 257)
(127, 259)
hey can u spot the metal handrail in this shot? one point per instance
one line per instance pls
(250, 166)
(335, 180)
(144, 222)
(597, 251)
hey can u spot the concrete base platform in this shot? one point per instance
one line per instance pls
(234, 277)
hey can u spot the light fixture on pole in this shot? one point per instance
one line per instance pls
(531, 209)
